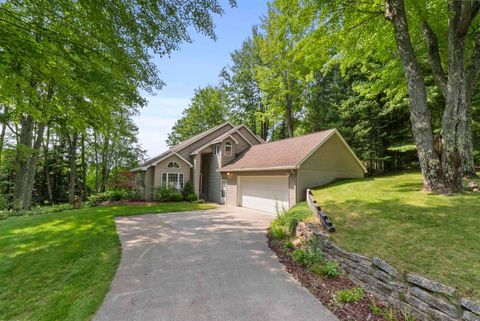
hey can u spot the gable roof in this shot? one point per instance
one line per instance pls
(154, 160)
(287, 153)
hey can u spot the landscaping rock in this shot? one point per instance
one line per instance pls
(469, 316)
(430, 285)
(437, 303)
(414, 301)
(470, 305)
(440, 316)
(381, 264)
(473, 185)
(382, 276)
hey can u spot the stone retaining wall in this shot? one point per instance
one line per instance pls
(424, 298)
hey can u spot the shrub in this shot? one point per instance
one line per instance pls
(349, 295)
(135, 194)
(95, 199)
(167, 194)
(176, 197)
(3, 203)
(328, 269)
(288, 245)
(307, 257)
(192, 197)
(284, 225)
(117, 195)
(187, 190)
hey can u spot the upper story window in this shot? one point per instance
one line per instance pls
(217, 149)
(173, 165)
(228, 149)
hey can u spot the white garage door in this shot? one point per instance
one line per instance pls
(264, 193)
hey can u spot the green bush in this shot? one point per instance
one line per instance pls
(349, 295)
(95, 199)
(284, 225)
(192, 197)
(328, 269)
(187, 190)
(167, 194)
(3, 203)
(307, 257)
(117, 195)
(176, 197)
(135, 195)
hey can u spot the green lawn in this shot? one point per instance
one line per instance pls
(59, 266)
(433, 235)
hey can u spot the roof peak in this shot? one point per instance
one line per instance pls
(301, 136)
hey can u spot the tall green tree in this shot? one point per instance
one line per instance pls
(279, 73)
(239, 80)
(423, 41)
(208, 108)
(82, 60)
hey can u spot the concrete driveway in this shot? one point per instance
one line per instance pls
(204, 266)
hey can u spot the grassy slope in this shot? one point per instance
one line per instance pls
(60, 266)
(433, 235)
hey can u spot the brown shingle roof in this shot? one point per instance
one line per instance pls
(285, 153)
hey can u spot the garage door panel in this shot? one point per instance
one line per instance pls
(264, 193)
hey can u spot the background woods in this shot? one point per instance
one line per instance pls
(398, 78)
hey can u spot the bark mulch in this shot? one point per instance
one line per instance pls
(324, 288)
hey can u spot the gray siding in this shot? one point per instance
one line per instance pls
(214, 179)
(331, 161)
(162, 168)
(185, 152)
(149, 177)
(245, 132)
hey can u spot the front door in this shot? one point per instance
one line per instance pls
(224, 191)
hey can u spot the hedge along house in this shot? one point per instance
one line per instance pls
(230, 165)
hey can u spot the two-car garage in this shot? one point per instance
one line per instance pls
(264, 193)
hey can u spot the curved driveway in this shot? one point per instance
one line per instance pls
(204, 266)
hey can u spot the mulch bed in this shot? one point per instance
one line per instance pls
(324, 288)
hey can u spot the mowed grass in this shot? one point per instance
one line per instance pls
(433, 235)
(60, 266)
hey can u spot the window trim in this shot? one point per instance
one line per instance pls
(216, 149)
(229, 154)
(180, 180)
(173, 163)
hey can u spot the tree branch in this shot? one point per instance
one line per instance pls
(434, 57)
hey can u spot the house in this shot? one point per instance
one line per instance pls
(230, 165)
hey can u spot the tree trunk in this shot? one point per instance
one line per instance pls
(84, 170)
(72, 160)
(46, 167)
(32, 167)
(97, 165)
(105, 157)
(3, 131)
(419, 112)
(22, 157)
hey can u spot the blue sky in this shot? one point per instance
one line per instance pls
(196, 64)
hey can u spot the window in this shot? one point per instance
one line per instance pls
(173, 165)
(174, 180)
(228, 149)
(217, 149)
(164, 179)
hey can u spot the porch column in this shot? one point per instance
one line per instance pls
(197, 167)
